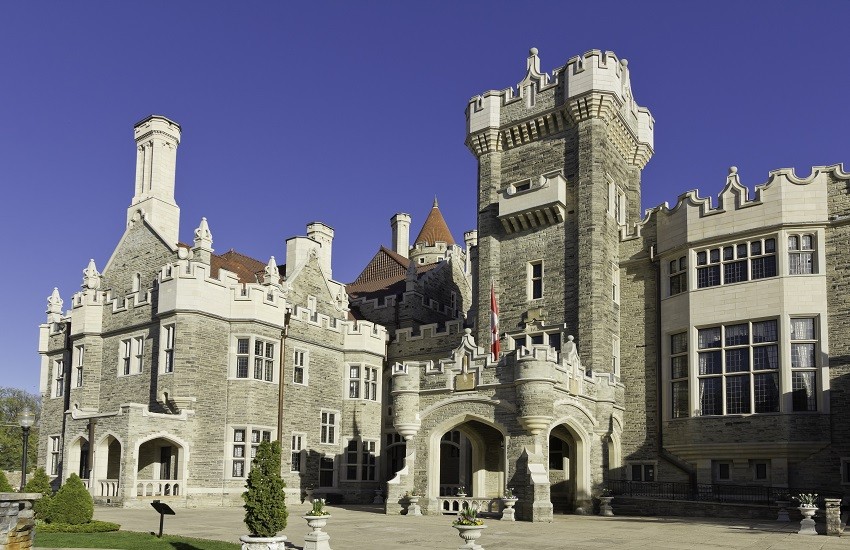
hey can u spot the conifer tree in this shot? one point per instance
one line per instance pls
(72, 504)
(40, 483)
(265, 507)
(5, 486)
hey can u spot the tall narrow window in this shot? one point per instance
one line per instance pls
(242, 356)
(139, 353)
(299, 372)
(126, 352)
(59, 374)
(801, 254)
(326, 471)
(351, 455)
(678, 275)
(368, 461)
(79, 352)
(354, 381)
(615, 283)
(535, 280)
(238, 469)
(168, 349)
(803, 364)
(328, 428)
(297, 448)
(263, 360)
(370, 383)
(54, 455)
(615, 355)
(679, 374)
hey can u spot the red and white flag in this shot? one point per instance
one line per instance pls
(494, 323)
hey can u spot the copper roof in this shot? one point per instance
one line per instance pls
(435, 229)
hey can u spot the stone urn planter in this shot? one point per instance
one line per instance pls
(470, 534)
(263, 543)
(413, 508)
(317, 539)
(605, 506)
(508, 512)
(807, 524)
(379, 497)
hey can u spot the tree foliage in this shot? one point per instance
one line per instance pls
(40, 483)
(72, 504)
(265, 507)
(5, 487)
(12, 403)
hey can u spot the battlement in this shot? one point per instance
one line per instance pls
(596, 83)
(784, 199)
(432, 330)
(412, 297)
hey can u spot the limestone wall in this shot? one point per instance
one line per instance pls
(17, 526)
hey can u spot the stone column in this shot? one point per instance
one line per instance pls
(17, 525)
(833, 516)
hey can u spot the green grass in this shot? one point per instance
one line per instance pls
(127, 540)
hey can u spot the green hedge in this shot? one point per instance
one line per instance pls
(93, 526)
(72, 503)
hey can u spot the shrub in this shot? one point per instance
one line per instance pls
(40, 483)
(93, 526)
(265, 508)
(5, 487)
(72, 503)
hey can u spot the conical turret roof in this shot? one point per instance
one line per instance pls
(435, 229)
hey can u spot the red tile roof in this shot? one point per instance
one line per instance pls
(435, 229)
(383, 274)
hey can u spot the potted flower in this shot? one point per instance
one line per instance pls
(605, 498)
(461, 491)
(807, 507)
(508, 500)
(317, 518)
(265, 506)
(469, 526)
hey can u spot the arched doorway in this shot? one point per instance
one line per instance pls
(471, 455)
(568, 460)
(159, 470)
(78, 457)
(107, 469)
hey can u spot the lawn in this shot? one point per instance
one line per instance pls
(127, 540)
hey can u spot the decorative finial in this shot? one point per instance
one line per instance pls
(91, 278)
(203, 236)
(733, 169)
(435, 202)
(54, 302)
(532, 51)
(272, 275)
(624, 62)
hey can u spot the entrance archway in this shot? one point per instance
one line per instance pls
(568, 458)
(78, 457)
(159, 470)
(107, 469)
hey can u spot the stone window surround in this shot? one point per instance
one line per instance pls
(754, 466)
(616, 202)
(783, 341)
(326, 435)
(743, 251)
(362, 447)
(645, 467)
(301, 361)
(333, 470)
(366, 386)
(615, 282)
(298, 445)
(58, 389)
(677, 270)
(252, 338)
(167, 354)
(54, 449)
(534, 293)
(800, 251)
(79, 359)
(131, 355)
(247, 444)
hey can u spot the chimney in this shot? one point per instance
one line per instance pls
(157, 139)
(401, 233)
(324, 235)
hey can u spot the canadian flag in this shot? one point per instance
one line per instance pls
(494, 323)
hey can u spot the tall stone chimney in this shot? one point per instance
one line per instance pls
(324, 235)
(401, 233)
(157, 139)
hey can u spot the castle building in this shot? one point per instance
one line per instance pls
(703, 343)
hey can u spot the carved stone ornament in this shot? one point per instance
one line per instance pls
(203, 236)
(54, 302)
(91, 277)
(272, 273)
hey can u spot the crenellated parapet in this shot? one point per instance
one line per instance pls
(593, 85)
(784, 199)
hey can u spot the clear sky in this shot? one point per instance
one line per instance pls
(349, 112)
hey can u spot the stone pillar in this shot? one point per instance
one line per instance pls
(17, 525)
(833, 516)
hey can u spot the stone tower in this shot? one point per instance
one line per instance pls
(157, 139)
(559, 164)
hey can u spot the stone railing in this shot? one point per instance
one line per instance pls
(107, 487)
(159, 487)
(17, 525)
(485, 505)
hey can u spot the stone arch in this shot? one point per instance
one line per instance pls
(579, 455)
(78, 456)
(160, 465)
(108, 466)
(482, 479)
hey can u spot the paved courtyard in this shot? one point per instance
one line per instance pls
(368, 528)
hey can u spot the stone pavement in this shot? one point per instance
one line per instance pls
(367, 528)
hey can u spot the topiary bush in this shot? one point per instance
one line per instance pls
(40, 483)
(72, 504)
(265, 507)
(5, 486)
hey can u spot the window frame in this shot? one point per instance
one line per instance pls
(300, 438)
(301, 366)
(676, 354)
(53, 453)
(243, 451)
(812, 402)
(58, 377)
(715, 263)
(644, 467)
(677, 270)
(799, 252)
(328, 427)
(266, 362)
(536, 287)
(79, 356)
(168, 342)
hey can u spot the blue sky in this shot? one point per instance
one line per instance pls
(349, 112)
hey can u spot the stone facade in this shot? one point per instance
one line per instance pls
(703, 343)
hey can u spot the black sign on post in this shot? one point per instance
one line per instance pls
(162, 509)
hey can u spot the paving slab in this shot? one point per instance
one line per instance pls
(367, 527)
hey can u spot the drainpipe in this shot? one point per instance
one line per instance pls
(286, 317)
(659, 415)
(67, 357)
